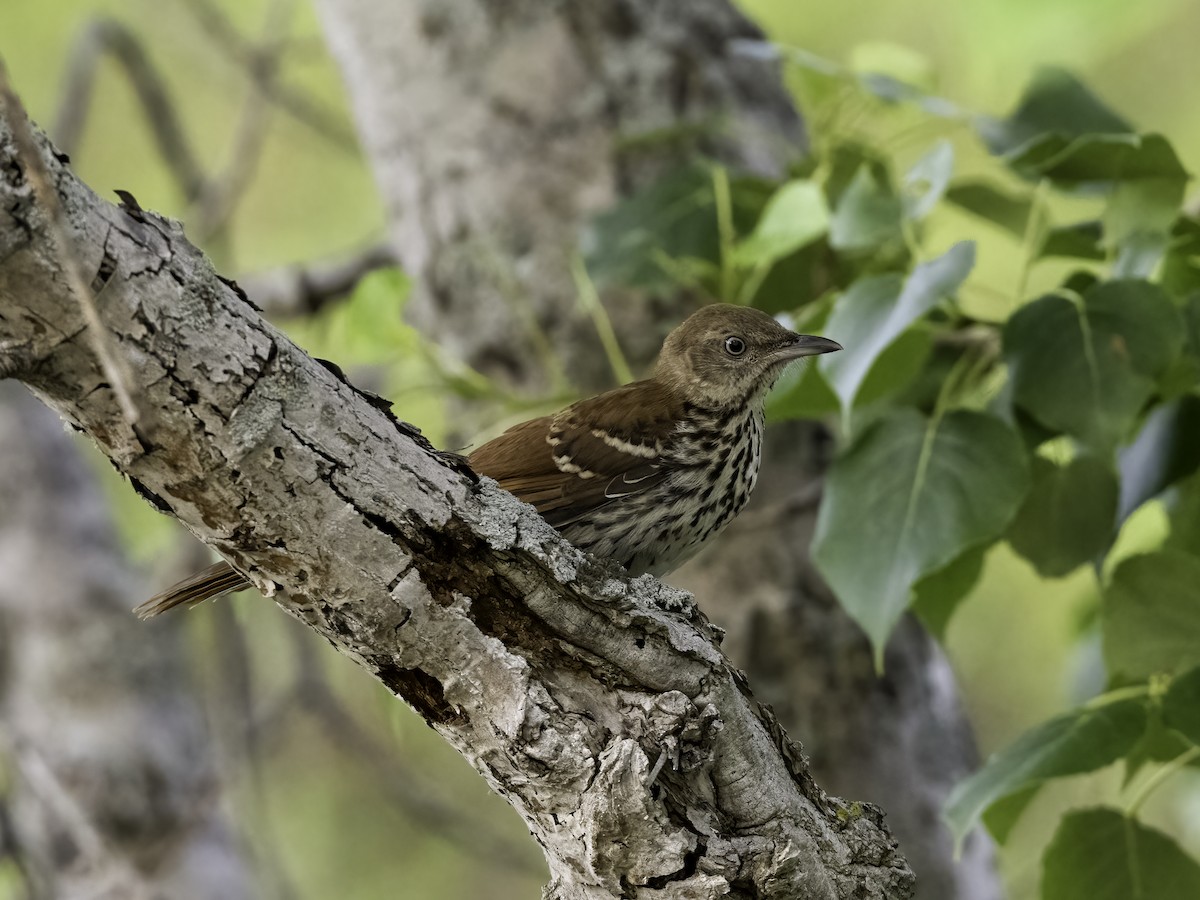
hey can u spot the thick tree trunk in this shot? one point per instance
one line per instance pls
(600, 707)
(495, 131)
(113, 795)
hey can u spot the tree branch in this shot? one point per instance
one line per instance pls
(561, 681)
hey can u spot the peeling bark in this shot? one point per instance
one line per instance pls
(113, 793)
(597, 706)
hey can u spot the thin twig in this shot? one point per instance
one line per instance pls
(109, 36)
(217, 203)
(589, 299)
(47, 196)
(250, 57)
(304, 289)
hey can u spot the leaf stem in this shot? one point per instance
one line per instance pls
(725, 233)
(589, 299)
(1151, 784)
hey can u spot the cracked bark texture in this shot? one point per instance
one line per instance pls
(600, 708)
(113, 793)
(495, 131)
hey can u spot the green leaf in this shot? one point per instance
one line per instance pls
(1143, 174)
(1158, 745)
(1002, 816)
(1165, 451)
(1151, 614)
(668, 230)
(994, 204)
(926, 182)
(918, 492)
(1100, 854)
(1181, 265)
(1184, 512)
(1181, 705)
(802, 393)
(795, 215)
(1068, 517)
(867, 213)
(936, 596)
(1087, 366)
(876, 311)
(1055, 102)
(1078, 241)
(1082, 740)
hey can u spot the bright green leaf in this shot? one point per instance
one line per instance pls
(1055, 102)
(1100, 854)
(1087, 366)
(933, 489)
(867, 213)
(1181, 705)
(795, 215)
(926, 182)
(876, 311)
(1068, 517)
(1082, 740)
(1151, 615)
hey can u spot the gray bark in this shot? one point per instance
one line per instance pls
(114, 793)
(600, 707)
(495, 131)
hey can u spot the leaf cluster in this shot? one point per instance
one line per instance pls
(1044, 422)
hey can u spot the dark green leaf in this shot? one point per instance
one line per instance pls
(986, 201)
(876, 311)
(1184, 509)
(1054, 103)
(1159, 744)
(1082, 740)
(896, 366)
(1079, 241)
(794, 216)
(1181, 266)
(645, 239)
(1102, 159)
(926, 182)
(1002, 816)
(933, 489)
(866, 215)
(1068, 517)
(802, 393)
(1100, 854)
(1086, 367)
(1181, 705)
(1151, 615)
(936, 596)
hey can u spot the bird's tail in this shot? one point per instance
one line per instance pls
(214, 581)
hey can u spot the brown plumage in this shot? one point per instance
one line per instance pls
(644, 474)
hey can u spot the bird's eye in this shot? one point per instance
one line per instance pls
(734, 345)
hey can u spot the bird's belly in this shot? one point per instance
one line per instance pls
(672, 521)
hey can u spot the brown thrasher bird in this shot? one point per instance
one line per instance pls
(643, 474)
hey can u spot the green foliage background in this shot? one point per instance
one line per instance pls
(1026, 641)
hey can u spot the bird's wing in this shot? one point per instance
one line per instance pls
(594, 452)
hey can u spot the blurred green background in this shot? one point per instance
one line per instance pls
(1019, 644)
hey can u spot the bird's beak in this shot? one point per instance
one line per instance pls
(807, 345)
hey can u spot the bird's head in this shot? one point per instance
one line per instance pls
(726, 356)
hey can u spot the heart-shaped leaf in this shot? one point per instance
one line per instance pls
(867, 213)
(918, 492)
(1086, 366)
(1069, 516)
(1100, 854)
